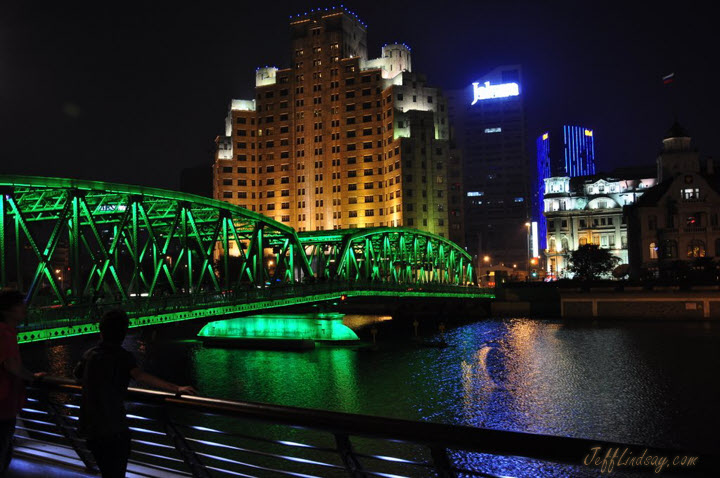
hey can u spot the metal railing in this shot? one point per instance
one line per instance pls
(201, 437)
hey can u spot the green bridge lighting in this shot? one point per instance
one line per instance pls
(77, 248)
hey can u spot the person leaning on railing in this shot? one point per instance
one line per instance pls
(12, 373)
(105, 371)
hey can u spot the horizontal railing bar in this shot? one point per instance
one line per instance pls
(158, 467)
(255, 438)
(384, 475)
(257, 467)
(43, 442)
(262, 453)
(392, 459)
(454, 437)
(145, 430)
(150, 443)
(33, 430)
(163, 457)
(233, 473)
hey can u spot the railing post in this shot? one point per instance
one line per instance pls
(196, 467)
(352, 465)
(441, 463)
(68, 431)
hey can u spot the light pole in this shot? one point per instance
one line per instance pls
(527, 243)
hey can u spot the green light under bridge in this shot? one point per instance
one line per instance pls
(327, 328)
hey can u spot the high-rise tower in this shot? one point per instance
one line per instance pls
(338, 140)
(568, 151)
(488, 117)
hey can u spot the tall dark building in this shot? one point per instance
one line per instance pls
(488, 117)
(568, 151)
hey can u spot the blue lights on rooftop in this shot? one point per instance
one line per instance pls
(330, 9)
(398, 43)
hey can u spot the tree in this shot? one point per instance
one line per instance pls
(589, 262)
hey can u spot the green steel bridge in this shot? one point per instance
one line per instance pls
(77, 248)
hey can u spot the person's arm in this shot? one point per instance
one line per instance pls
(151, 380)
(14, 366)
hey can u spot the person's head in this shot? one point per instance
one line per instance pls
(114, 326)
(12, 307)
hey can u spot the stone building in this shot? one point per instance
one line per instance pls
(589, 210)
(337, 140)
(677, 220)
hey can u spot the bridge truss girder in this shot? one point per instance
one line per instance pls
(392, 255)
(128, 241)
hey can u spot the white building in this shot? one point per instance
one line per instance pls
(588, 210)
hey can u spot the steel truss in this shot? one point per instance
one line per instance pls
(119, 241)
(77, 247)
(394, 255)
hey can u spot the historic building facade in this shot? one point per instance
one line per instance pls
(588, 210)
(340, 141)
(678, 219)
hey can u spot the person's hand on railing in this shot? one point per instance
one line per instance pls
(186, 390)
(39, 375)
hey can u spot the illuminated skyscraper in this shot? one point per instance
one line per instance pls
(563, 152)
(488, 117)
(337, 140)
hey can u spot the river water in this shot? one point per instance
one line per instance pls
(653, 383)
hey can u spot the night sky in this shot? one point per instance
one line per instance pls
(131, 93)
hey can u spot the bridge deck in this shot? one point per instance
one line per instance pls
(55, 323)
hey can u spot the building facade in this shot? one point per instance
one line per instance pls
(340, 141)
(488, 117)
(676, 221)
(588, 210)
(565, 151)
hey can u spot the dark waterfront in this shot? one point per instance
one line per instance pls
(633, 382)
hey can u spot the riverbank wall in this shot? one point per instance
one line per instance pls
(669, 303)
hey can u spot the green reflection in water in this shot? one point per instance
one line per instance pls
(314, 379)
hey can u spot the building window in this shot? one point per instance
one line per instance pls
(652, 223)
(669, 249)
(690, 194)
(696, 248)
(564, 246)
(653, 251)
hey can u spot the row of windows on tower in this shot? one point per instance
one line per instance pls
(317, 49)
(317, 113)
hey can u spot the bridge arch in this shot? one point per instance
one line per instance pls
(77, 248)
(396, 255)
(86, 239)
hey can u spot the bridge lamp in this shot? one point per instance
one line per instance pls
(486, 259)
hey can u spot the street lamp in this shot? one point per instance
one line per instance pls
(527, 243)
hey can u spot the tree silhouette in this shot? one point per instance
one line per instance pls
(589, 262)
